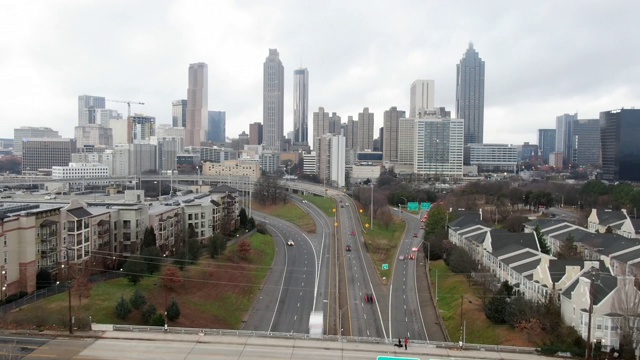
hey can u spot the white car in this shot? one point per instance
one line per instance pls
(290, 243)
(50, 197)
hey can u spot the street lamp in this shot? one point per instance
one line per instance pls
(3, 286)
(371, 206)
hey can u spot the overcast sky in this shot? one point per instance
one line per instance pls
(542, 58)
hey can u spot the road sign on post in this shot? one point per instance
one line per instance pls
(385, 266)
(412, 206)
(426, 206)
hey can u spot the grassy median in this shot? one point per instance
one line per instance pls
(382, 243)
(289, 212)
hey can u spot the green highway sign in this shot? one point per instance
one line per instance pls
(385, 266)
(426, 206)
(412, 206)
(395, 358)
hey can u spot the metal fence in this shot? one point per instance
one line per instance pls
(369, 340)
(30, 299)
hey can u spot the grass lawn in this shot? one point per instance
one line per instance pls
(289, 212)
(454, 291)
(326, 204)
(214, 294)
(382, 243)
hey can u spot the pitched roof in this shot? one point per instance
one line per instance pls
(627, 256)
(543, 223)
(79, 213)
(215, 203)
(558, 268)
(607, 244)
(603, 285)
(500, 239)
(465, 218)
(477, 238)
(471, 229)
(608, 217)
(527, 266)
(528, 254)
(223, 189)
(551, 230)
(636, 225)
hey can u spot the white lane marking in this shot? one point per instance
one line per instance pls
(365, 316)
(300, 293)
(302, 284)
(299, 305)
(295, 317)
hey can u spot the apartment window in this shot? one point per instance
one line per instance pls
(599, 324)
(190, 217)
(6, 259)
(4, 240)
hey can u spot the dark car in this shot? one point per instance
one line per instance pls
(348, 248)
(415, 234)
(369, 298)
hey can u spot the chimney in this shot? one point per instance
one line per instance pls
(480, 211)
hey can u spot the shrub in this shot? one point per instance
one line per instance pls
(137, 300)
(157, 320)
(123, 309)
(149, 312)
(135, 269)
(173, 311)
(153, 259)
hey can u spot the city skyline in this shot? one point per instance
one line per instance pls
(525, 90)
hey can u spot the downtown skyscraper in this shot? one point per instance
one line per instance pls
(422, 95)
(301, 107)
(197, 127)
(470, 95)
(273, 102)
(365, 130)
(87, 107)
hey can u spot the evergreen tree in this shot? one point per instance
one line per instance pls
(43, 279)
(251, 224)
(123, 309)
(149, 312)
(149, 238)
(193, 250)
(181, 259)
(157, 320)
(134, 269)
(216, 245)
(243, 218)
(568, 249)
(173, 311)
(542, 242)
(191, 232)
(153, 259)
(137, 300)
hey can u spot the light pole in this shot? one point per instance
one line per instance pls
(3, 286)
(68, 271)
(371, 206)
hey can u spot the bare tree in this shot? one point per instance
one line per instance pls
(626, 303)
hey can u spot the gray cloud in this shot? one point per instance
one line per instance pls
(542, 59)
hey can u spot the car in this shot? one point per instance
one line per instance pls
(290, 243)
(346, 204)
(348, 248)
(341, 206)
(415, 234)
(422, 227)
(412, 256)
(304, 201)
(369, 298)
(50, 197)
(414, 249)
(401, 257)
(353, 233)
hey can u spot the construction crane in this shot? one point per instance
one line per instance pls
(128, 102)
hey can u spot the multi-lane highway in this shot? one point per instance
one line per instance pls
(405, 315)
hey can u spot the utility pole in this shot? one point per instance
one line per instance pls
(589, 347)
(372, 206)
(69, 293)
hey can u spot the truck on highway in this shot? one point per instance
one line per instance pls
(316, 324)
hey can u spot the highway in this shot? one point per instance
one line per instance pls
(294, 284)
(405, 315)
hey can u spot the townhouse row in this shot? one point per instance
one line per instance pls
(47, 236)
(610, 262)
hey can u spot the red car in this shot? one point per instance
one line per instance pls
(353, 233)
(412, 257)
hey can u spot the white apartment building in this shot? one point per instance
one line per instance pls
(249, 169)
(120, 131)
(309, 163)
(330, 157)
(439, 147)
(494, 158)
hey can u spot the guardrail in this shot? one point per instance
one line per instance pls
(368, 340)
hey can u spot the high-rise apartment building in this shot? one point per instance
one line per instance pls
(352, 133)
(439, 147)
(217, 126)
(406, 147)
(321, 125)
(255, 133)
(546, 143)
(168, 150)
(619, 131)
(273, 102)
(470, 95)
(584, 142)
(330, 155)
(301, 107)
(87, 106)
(391, 132)
(422, 95)
(197, 105)
(365, 130)
(28, 132)
(46, 153)
(179, 113)
(563, 133)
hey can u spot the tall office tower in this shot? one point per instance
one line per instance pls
(27, 132)
(301, 107)
(470, 95)
(87, 106)
(141, 128)
(406, 147)
(563, 132)
(255, 133)
(439, 147)
(422, 93)
(93, 135)
(273, 102)
(321, 125)
(45, 153)
(391, 133)
(546, 143)
(365, 130)
(335, 122)
(197, 105)
(179, 113)
(584, 142)
(217, 126)
(134, 159)
(352, 133)
(104, 116)
(619, 133)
